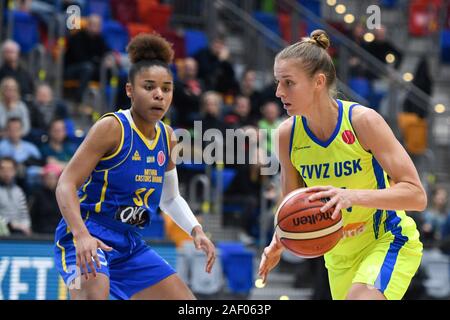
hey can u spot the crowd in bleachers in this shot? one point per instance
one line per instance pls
(38, 130)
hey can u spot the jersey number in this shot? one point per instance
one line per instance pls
(138, 196)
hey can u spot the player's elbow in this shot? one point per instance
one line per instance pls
(422, 200)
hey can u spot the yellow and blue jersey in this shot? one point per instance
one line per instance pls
(126, 186)
(342, 162)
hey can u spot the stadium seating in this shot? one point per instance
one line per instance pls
(115, 35)
(155, 14)
(315, 7)
(195, 40)
(25, 30)
(124, 11)
(445, 46)
(237, 264)
(135, 28)
(99, 7)
(389, 3)
(423, 17)
(177, 41)
(361, 86)
(227, 177)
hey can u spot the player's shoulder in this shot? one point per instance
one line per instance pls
(285, 127)
(364, 117)
(108, 124)
(167, 127)
(170, 132)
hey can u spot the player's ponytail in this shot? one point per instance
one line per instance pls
(147, 50)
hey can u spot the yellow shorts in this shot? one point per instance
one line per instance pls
(388, 264)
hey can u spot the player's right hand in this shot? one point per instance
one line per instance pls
(86, 247)
(269, 259)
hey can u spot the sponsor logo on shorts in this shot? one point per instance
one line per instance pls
(353, 229)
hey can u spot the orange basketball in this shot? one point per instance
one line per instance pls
(303, 229)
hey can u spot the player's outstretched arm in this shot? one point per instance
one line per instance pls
(103, 139)
(375, 136)
(177, 208)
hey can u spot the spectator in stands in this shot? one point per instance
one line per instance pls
(57, 150)
(44, 11)
(11, 106)
(85, 51)
(13, 205)
(423, 80)
(25, 153)
(356, 68)
(211, 108)
(239, 117)
(270, 122)
(381, 47)
(46, 108)
(215, 69)
(244, 189)
(11, 68)
(44, 209)
(187, 94)
(248, 89)
(268, 94)
(433, 219)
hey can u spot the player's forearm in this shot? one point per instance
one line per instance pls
(69, 204)
(402, 196)
(178, 209)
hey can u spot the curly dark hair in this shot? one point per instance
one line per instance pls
(147, 50)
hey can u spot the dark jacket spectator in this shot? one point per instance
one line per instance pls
(248, 90)
(45, 214)
(215, 70)
(85, 51)
(12, 68)
(187, 93)
(45, 108)
(422, 80)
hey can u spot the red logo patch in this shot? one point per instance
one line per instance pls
(348, 137)
(161, 158)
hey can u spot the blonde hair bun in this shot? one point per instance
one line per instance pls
(320, 38)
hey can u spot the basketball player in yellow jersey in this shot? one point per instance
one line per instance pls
(344, 151)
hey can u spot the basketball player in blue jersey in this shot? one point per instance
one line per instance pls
(116, 180)
(344, 151)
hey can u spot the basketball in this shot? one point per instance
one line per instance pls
(303, 229)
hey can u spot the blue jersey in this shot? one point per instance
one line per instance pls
(126, 186)
(121, 193)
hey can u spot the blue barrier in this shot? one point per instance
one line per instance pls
(27, 269)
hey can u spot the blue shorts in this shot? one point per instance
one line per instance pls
(131, 266)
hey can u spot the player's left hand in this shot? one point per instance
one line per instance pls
(202, 242)
(339, 198)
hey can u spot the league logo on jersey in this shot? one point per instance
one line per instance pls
(348, 137)
(161, 158)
